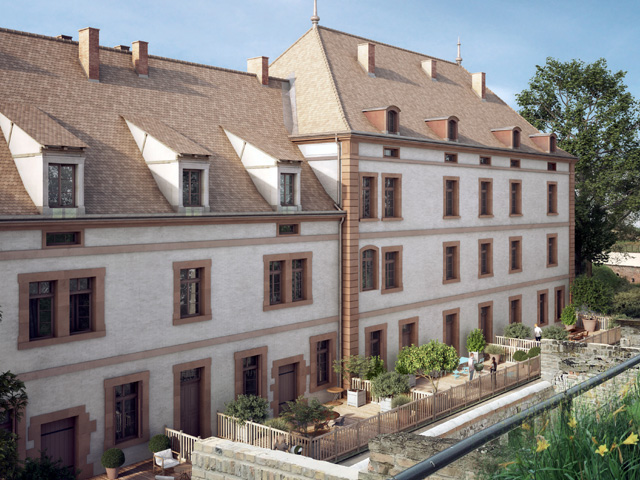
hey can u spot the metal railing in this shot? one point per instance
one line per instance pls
(440, 460)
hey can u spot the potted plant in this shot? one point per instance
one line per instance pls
(476, 343)
(494, 351)
(479, 367)
(386, 385)
(568, 317)
(112, 460)
(589, 320)
(158, 443)
(353, 366)
(406, 365)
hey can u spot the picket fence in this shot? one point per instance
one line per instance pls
(181, 443)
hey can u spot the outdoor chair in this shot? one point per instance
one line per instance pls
(164, 460)
(456, 374)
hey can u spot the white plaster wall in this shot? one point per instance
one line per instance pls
(31, 170)
(266, 181)
(327, 173)
(20, 240)
(167, 176)
(327, 149)
(21, 143)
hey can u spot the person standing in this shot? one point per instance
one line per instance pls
(471, 367)
(493, 370)
(537, 331)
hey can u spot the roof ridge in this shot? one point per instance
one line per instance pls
(333, 81)
(291, 46)
(386, 44)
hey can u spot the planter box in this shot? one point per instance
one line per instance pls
(385, 404)
(356, 398)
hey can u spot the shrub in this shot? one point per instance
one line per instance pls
(627, 303)
(8, 453)
(476, 341)
(353, 366)
(568, 316)
(278, 423)
(517, 330)
(494, 350)
(429, 359)
(533, 352)
(555, 332)
(112, 458)
(248, 408)
(400, 400)
(158, 443)
(608, 277)
(479, 367)
(592, 293)
(520, 356)
(389, 384)
(376, 367)
(304, 411)
(45, 468)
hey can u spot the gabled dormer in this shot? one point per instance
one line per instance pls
(545, 141)
(179, 166)
(508, 136)
(385, 119)
(49, 159)
(277, 179)
(444, 127)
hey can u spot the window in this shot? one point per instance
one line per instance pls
(515, 198)
(485, 207)
(391, 152)
(408, 332)
(61, 185)
(127, 414)
(552, 198)
(515, 142)
(392, 196)
(542, 307)
(392, 121)
(369, 269)
(376, 341)
(285, 229)
(450, 328)
(485, 320)
(287, 193)
(515, 254)
(368, 196)
(251, 372)
(551, 166)
(192, 292)
(515, 309)
(451, 197)
(392, 273)
(250, 375)
(59, 307)
(552, 144)
(485, 160)
(485, 258)
(287, 280)
(451, 158)
(451, 252)
(552, 250)
(197, 371)
(559, 302)
(322, 362)
(62, 239)
(126, 410)
(191, 188)
(515, 163)
(80, 305)
(322, 354)
(452, 130)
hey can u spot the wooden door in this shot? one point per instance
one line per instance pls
(58, 441)
(287, 385)
(190, 401)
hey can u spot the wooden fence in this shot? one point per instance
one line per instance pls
(518, 343)
(351, 439)
(608, 337)
(181, 443)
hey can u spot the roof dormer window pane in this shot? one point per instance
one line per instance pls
(516, 139)
(452, 130)
(392, 121)
(191, 188)
(61, 185)
(287, 197)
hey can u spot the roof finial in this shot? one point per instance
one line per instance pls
(459, 58)
(315, 19)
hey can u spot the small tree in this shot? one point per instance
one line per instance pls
(389, 384)
(430, 359)
(304, 412)
(353, 366)
(568, 316)
(376, 367)
(476, 341)
(8, 454)
(45, 468)
(248, 408)
(13, 396)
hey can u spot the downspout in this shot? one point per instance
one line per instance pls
(339, 206)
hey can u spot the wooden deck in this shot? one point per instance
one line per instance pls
(143, 471)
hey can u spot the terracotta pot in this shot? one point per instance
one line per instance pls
(492, 356)
(112, 473)
(589, 324)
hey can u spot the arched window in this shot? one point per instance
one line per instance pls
(392, 121)
(452, 130)
(516, 139)
(552, 144)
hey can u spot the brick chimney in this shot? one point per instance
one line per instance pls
(89, 52)
(260, 67)
(140, 58)
(430, 67)
(478, 84)
(367, 58)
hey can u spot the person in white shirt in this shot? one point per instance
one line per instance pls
(537, 332)
(471, 367)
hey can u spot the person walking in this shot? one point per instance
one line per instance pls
(537, 332)
(471, 367)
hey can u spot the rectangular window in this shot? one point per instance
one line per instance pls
(287, 280)
(542, 307)
(552, 198)
(451, 253)
(485, 320)
(552, 250)
(450, 328)
(251, 375)
(451, 197)
(515, 163)
(369, 269)
(375, 341)
(190, 292)
(392, 280)
(407, 334)
(515, 254)
(515, 197)
(251, 372)
(515, 309)
(392, 196)
(285, 229)
(62, 239)
(287, 194)
(80, 305)
(297, 280)
(126, 412)
(41, 310)
(191, 188)
(391, 152)
(322, 362)
(61, 185)
(126, 420)
(551, 166)
(485, 258)
(451, 158)
(322, 352)
(275, 282)
(485, 160)
(485, 199)
(368, 196)
(559, 302)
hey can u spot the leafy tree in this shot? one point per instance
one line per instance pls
(596, 120)
(248, 408)
(429, 360)
(13, 400)
(592, 293)
(476, 341)
(304, 412)
(45, 469)
(628, 303)
(8, 454)
(354, 366)
(376, 367)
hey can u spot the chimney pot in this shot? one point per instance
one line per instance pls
(430, 67)
(260, 67)
(479, 84)
(89, 52)
(122, 48)
(64, 37)
(140, 58)
(367, 58)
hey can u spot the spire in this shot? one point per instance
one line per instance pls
(459, 58)
(315, 19)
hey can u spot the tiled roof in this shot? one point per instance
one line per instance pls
(194, 100)
(280, 147)
(167, 135)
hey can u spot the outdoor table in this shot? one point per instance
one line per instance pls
(337, 391)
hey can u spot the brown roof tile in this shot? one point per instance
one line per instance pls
(167, 136)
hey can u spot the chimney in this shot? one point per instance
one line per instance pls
(367, 58)
(89, 52)
(259, 66)
(122, 48)
(478, 84)
(63, 37)
(140, 58)
(430, 67)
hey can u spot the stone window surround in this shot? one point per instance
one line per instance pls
(205, 291)
(296, 171)
(415, 321)
(489, 332)
(332, 337)
(78, 182)
(301, 378)
(485, 241)
(61, 332)
(456, 197)
(203, 166)
(555, 301)
(552, 207)
(518, 205)
(456, 262)
(518, 253)
(489, 198)
(376, 267)
(79, 231)
(383, 340)
(142, 378)
(397, 196)
(374, 196)
(205, 394)
(546, 307)
(519, 314)
(398, 269)
(297, 226)
(553, 236)
(287, 259)
(262, 369)
(456, 326)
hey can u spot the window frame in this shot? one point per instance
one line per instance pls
(57, 231)
(397, 196)
(515, 207)
(481, 243)
(515, 298)
(450, 157)
(260, 352)
(394, 152)
(296, 229)
(200, 177)
(489, 331)
(382, 328)
(205, 291)
(455, 262)
(518, 254)
(557, 308)
(373, 189)
(74, 298)
(142, 379)
(452, 130)
(398, 287)
(487, 164)
(542, 297)
(392, 121)
(414, 322)
(552, 198)
(516, 139)
(552, 250)
(282, 189)
(514, 163)
(455, 197)
(456, 330)
(489, 182)
(552, 166)
(74, 185)
(332, 338)
(287, 280)
(375, 263)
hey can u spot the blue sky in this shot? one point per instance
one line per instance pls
(505, 39)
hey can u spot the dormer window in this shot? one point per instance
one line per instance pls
(546, 142)
(61, 185)
(444, 127)
(508, 136)
(191, 188)
(515, 142)
(452, 130)
(392, 121)
(287, 189)
(552, 144)
(384, 119)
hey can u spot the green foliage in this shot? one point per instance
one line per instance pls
(555, 332)
(479, 367)
(517, 330)
(389, 384)
(353, 366)
(400, 400)
(278, 423)
(429, 360)
(591, 293)
(476, 341)
(376, 367)
(568, 316)
(607, 276)
(112, 458)
(8, 454)
(13, 395)
(158, 443)
(405, 364)
(248, 408)
(534, 352)
(303, 412)
(520, 356)
(627, 303)
(494, 350)
(596, 119)
(45, 469)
